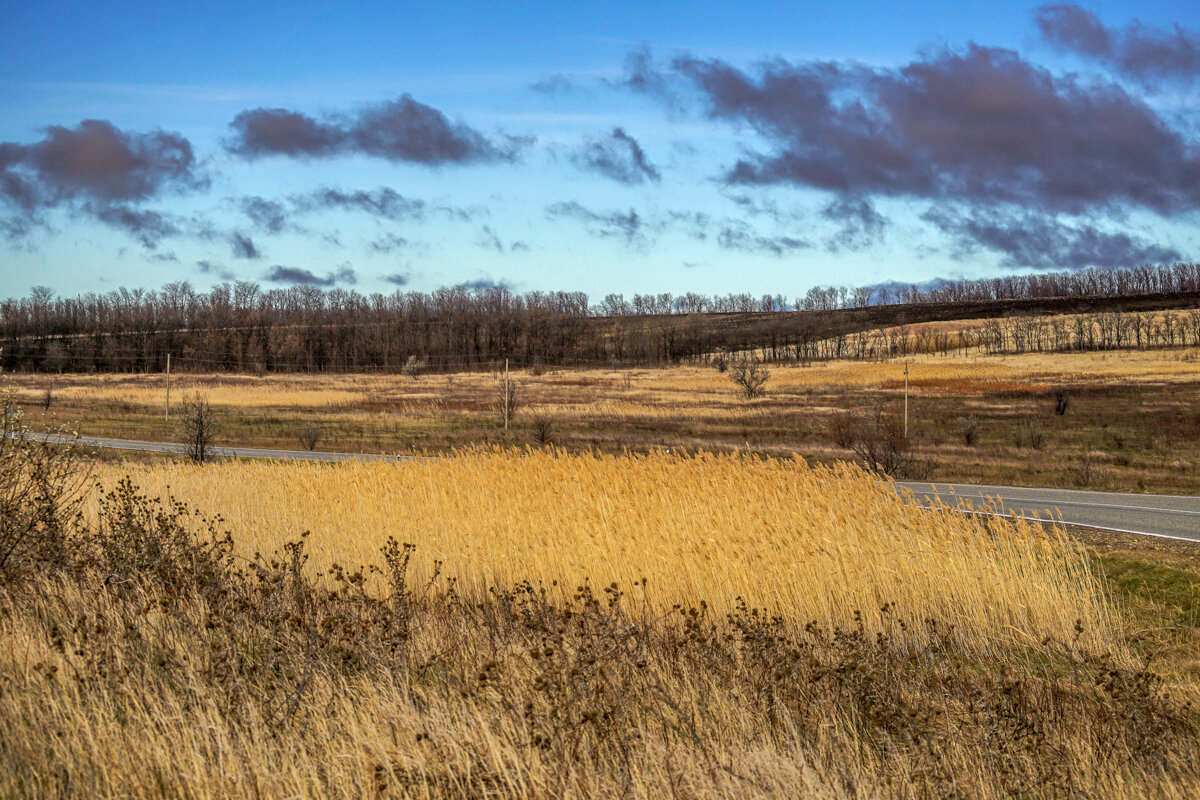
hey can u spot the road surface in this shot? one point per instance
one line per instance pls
(217, 452)
(1170, 516)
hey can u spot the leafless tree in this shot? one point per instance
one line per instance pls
(882, 447)
(197, 427)
(48, 397)
(309, 435)
(750, 375)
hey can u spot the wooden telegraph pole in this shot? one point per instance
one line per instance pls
(167, 410)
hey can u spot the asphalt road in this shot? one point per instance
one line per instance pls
(1171, 516)
(217, 452)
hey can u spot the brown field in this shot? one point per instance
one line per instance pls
(1133, 415)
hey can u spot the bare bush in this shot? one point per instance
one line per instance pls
(842, 426)
(308, 436)
(413, 367)
(1030, 433)
(882, 447)
(1085, 469)
(750, 375)
(541, 428)
(41, 485)
(48, 397)
(969, 428)
(197, 427)
(721, 361)
(1062, 401)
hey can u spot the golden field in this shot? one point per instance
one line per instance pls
(775, 630)
(812, 543)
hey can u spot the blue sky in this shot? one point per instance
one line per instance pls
(602, 147)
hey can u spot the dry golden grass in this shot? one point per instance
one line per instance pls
(815, 543)
(138, 661)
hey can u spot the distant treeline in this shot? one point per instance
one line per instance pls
(1111, 330)
(241, 327)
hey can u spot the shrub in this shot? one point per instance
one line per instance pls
(969, 428)
(750, 375)
(197, 427)
(309, 435)
(1030, 433)
(413, 367)
(541, 427)
(41, 486)
(1061, 402)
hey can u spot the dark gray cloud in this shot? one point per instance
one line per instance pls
(385, 203)
(743, 239)
(558, 83)
(277, 131)
(244, 247)
(488, 239)
(387, 243)
(1141, 52)
(981, 125)
(269, 216)
(397, 278)
(148, 227)
(304, 277)
(486, 284)
(1032, 241)
(860, 224)
(209, 268)
(618, 156)
(96, 170)
(398, 130)
(628, 226)
(97, 161)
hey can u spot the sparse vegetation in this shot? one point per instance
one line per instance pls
(693, 407)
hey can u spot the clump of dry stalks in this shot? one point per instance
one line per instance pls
(142, 656)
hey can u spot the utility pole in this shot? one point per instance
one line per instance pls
(167, 410)
(906, 398)
(506, 393)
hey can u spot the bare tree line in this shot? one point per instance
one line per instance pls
(241, 327)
